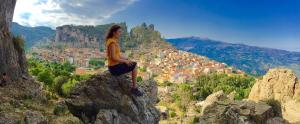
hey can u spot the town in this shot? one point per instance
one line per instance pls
(164, 64)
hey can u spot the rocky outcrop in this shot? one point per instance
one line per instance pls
(105, 99)
(218, 108)
(76, 36)
(280, 85)
(86, 36)
(12, 58)
(34, 117)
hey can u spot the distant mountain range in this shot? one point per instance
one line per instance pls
(32, 35)
(251, 59)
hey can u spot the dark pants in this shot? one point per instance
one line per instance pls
(122, 68)
(2, 83)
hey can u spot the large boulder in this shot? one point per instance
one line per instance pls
(218, 108)
(106, 99)
(12, 55)
(280, 85)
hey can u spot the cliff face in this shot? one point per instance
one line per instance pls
(105, 99)
(282, 86)
(85, 36)
(75, 36)
(12, 58)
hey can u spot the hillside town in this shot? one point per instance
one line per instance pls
(168, 64)
(178, 66)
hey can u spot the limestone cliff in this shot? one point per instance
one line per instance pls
(85, 36)
(105, 99)
(12, 58)
(280, 85)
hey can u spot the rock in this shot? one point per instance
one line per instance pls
(280, 85)
(105, 98)
(219, 109)
(211, 99)
(13, 61)
(34, 117)
(9, 118)
(277, 120)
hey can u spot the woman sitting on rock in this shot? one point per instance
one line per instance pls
(117, 64)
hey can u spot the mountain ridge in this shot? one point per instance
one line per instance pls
(220, 41)
(251, 59)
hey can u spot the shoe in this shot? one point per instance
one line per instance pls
(136, 92)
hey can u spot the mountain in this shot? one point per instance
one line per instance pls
(32, 35)
(86, 35)
(251, 59)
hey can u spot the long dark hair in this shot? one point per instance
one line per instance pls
(111, 31)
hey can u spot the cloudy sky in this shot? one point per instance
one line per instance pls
(267, 23)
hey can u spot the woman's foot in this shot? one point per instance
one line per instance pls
(136, 92)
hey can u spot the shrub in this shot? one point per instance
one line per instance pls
(172, 114)
(46, 76)
(207, 84)
(139, 79)
(66, 88)
(58, 83)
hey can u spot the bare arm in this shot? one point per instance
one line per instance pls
(122, 57)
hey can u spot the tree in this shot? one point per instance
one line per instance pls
(46, 76)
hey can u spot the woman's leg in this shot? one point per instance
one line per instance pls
(134, 75)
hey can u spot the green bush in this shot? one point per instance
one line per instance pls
(54, 75)
(66, 88)
(96, 63)
(46, 76)
(207, 84)
(172, 114)
(58, 83)
(139, 79)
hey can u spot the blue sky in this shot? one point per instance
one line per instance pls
(267, 23)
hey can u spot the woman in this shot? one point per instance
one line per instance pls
(117, 64)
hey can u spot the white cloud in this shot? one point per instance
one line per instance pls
(60, 12)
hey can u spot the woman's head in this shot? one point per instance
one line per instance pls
(114, 31)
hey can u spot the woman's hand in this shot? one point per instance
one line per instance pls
(129, 63)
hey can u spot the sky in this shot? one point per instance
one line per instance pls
(266, 23)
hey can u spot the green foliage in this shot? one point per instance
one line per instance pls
(143, 69)
(96, 63)
(67, 66)
(58, 82)
(139, 79)
(166, 83)
(172, 114)
(66, 88)
(183, 96)
(58, 78)
(208, 84)
(46, 76)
